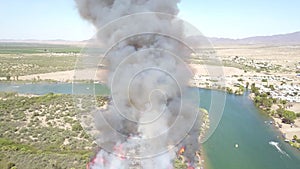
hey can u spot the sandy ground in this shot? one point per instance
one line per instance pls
(67, 76)
(93, 74)
(58, 76)
(215, 70)
(287, 130)
(295, 107)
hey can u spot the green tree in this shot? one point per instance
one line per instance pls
(242, 89)
(8, 77)
(284, 102)
(254, 89)
(264, 95)
(280, 111)
(272, 87)
(247, 85)
(289, 116)
(229, 90)
(267, 102)
(257, 99)
(10, 165)
(295, 137)
(77, 127)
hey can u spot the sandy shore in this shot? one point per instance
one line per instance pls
(61, 76)
(88, 74)
(215, 70)
(68, 76)
(295, 107)
(287, 130)
(100, 74)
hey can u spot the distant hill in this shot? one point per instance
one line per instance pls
(282, 39)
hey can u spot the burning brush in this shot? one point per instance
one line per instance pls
(188, 163)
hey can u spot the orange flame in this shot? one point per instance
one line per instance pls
(181, 150)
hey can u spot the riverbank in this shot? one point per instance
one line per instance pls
(242, 124)
(101, 75)
(69, 76)
(290, 131)
(287, 130)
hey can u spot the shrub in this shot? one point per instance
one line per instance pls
(289, 116)
(229, 90)
(10, 165)
(77, 127)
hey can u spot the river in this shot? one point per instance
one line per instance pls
(63, 88)
(241, 141)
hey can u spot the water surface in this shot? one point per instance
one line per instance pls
(244, 141)
(63, 88)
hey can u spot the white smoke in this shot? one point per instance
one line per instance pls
(105, 160)
(100, 12)
(152, 109)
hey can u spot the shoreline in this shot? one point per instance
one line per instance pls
(287, 131)
(66, 77)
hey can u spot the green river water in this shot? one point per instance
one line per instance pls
(260, 145)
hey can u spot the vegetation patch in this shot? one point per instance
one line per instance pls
(25, 59)
(37, 129)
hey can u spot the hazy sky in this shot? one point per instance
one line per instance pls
(58, 19)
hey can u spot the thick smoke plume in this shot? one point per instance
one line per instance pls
(152, 110)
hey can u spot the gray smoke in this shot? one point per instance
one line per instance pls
(151, 108)
(100, 12)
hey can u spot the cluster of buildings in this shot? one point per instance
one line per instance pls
(279, 87)
(255, 64)
(284, 92)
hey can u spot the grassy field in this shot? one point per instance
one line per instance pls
(19, 59)
(42, 132)
(35, 48)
